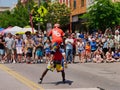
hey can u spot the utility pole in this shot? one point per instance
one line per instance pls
(70, 16)
(38, 7)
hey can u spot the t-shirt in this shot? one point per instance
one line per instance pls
(80, 45)
(93, 45)
(81, 36)
(88, 48)
(69, 43)
(57, 55)
(57, 35)
(74, 44)
(18, 42)
(116, 55)
(9, 42)
(36, 39)
(1, 44)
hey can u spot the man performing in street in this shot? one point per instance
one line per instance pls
(56, 58)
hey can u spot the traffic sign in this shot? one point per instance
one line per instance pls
(42, 11)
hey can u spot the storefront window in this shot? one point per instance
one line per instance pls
(74, 4)
(82, 3)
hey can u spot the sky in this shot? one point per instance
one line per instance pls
(7, 3)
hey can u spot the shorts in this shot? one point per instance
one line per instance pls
(39, 53)
(80, 51)
(55, 65)
(93, 50)
(19, 50)
(47, 51)
(9, 51)
(2, 51)
(29, 52)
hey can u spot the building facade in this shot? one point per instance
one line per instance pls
(67, 2)
(78, 8)
(115, 0)
(2, 9)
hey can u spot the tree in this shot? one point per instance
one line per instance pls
(56, 13)
(103, 14)
(19, 16)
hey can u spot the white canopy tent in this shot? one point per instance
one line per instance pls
(13, 30)
(25, 30)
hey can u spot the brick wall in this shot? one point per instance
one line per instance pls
(79, 9)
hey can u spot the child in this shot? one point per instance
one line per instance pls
(88, 51)
(39, 50)
(47, 47)
(98, 56)
(116, 55)
(109, 55)
(81, 50)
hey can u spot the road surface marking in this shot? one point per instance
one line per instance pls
(21, 78)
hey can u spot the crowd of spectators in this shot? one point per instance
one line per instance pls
(97, 47)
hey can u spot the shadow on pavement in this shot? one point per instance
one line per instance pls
(59, 82)
(66, 82)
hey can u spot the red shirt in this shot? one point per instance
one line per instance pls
(57, 35)
(74, 44)
(57, 55)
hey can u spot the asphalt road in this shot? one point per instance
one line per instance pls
(78, 76)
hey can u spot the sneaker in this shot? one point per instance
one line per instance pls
(63, 80)
(40, 81)
(2, 62)
(9, 61)
(14, 61)
(41, 60)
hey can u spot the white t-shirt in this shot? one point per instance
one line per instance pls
(117, 38)
(69, 43)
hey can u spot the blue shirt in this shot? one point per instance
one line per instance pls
(93, 45)
(105, 44)
(116, 55)
(69, 46)
(81, 36)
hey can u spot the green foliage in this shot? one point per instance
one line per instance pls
(19, 16)
(57, 13)
(103, 14)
